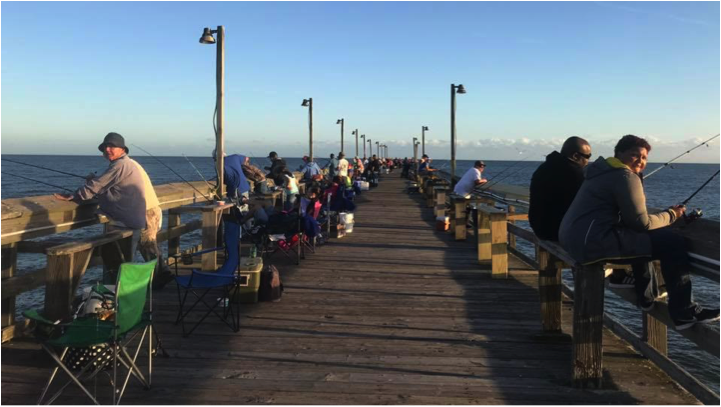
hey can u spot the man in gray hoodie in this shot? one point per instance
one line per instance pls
(608, 220)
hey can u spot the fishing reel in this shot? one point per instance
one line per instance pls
(692, 215)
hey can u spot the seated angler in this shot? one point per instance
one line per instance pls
(424, 168)
(310, 170)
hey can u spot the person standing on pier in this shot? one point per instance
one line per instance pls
(275, 164)
(470, 180)
(608, 220)
(310, 170)
(332, 167)
(343, 167)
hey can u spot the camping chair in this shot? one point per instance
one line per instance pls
(311, 225)
(114, 334)
(284, 237)
(226, 278)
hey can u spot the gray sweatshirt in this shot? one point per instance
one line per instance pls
(608, 218)
(120, 191)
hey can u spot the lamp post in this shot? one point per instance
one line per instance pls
(341, 122)
(454, 89)
(370, 147)
(309, 104)
(378, 151)
(356, 141)
(415, 153)
(207, 38)
(363, 136)
(423, 138)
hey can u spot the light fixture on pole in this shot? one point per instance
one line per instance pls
(454, 89)
(363, 136)
(309, 104)
(341, 122)
(423, 138)
(356, 141)
(207, 38)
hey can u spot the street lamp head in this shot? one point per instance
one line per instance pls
(425, 128)
(306, 102)
(207, 37)
(339, 121)
(460, 89)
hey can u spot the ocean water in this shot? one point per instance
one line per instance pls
(667, 187)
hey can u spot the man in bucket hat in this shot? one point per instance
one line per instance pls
(126, 196)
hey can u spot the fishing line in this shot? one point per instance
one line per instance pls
(489, 185)
(44, 168)
(508, 168)
(676, 158)
(40, 182)
(198, 171)
(700, 188)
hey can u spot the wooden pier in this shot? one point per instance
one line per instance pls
(394, 313)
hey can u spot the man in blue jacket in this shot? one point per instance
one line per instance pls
(237, 186)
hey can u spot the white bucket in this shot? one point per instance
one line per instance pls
(349, 227)
(346, 218)
(443, 218)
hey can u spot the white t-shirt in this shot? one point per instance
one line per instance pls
(467, 183)
(343, 167)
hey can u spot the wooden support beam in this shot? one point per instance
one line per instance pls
(483, 236)
(499, 240)
(655, 332)
(459, 205)
(440, 200)
(173, 221)
(550, 290)
(588, 326)
(511, 219)
(211, 221)
(9, 259)
(63, 275)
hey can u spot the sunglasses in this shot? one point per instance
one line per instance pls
(586, 156)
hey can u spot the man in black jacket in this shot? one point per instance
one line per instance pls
(555, 184)
(276, 164)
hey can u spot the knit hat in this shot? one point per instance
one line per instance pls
(115, 140)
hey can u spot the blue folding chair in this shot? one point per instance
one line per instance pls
(226, 279)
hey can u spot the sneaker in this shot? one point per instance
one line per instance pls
(707, 315)
(621, 280)
(684, 323)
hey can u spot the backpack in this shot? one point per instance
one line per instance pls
(271, 288)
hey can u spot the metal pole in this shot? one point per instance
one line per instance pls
(356, 142)
(364, 145)
(378, 151)
(220, 97)
(370, 147)
(342, 123)
(453, 135)
(415, 154)
(310, 126)
(423, 139)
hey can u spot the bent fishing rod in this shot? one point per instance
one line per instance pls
(198, 171)
(39, 182)
(681, 155)
(696, 213)
(507, 168)
(173, 171)
(44, 168)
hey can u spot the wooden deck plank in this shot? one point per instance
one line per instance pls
(394, 313)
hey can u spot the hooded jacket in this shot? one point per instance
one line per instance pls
(553, 186)
(608, 218)
(233, 176)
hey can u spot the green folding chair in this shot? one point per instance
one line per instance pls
(132, 292)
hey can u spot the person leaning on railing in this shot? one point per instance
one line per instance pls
(608, 220)
(470, 180)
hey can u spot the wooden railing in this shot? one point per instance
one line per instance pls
(40, 216)
(496, 235)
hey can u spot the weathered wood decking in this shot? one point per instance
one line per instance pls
(394, 313)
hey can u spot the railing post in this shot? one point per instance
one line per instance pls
(483, 236)
(460, 218)
(550, 290)
(499, 248)
(588, 326)
(9, 266)
(440, 200)
(511, 236)
(63, 275)
(655, 332)
(173, 243)
(210, 238)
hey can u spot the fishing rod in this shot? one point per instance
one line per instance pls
(173, 171)
(696, 213)
(488, 185)
(198, 171)
(44, 168)
(508, 168)
(681, 155)
(40, 182)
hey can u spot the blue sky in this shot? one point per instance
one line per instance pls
(535, 72)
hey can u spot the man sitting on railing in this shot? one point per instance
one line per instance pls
(608, 220)
(470, 180)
